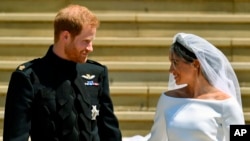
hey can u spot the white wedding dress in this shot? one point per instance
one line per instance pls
(187, 119)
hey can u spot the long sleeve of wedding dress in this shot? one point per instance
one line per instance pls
(184, 119)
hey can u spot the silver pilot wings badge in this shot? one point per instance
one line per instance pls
(88, 76)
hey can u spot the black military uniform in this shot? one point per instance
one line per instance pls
(51, 99)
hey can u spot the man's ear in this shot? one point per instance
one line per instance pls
(65, 35)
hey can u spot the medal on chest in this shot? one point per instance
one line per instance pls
(95, 112)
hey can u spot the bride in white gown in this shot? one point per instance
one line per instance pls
(203, 97)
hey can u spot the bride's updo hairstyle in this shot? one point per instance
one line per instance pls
(179, 50)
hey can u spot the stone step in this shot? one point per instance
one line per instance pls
(127, 66)
(134, 24)
(155, 73)
(137, 97)
(127, 41)
(130, 122)
(121, 49)
(194, 6)
(133, 122)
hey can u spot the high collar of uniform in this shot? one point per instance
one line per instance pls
(59, 63)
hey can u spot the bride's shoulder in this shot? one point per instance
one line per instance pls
(218, 95)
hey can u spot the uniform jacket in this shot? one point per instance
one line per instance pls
(51, 99)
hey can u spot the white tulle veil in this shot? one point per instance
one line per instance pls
(214, 63)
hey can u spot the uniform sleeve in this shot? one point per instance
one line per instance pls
(232, 114)
(108, 125)
(17, 108)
